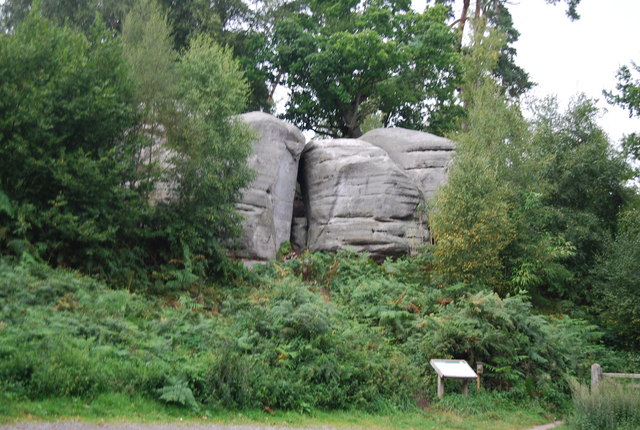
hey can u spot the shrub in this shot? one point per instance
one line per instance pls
(611, 406)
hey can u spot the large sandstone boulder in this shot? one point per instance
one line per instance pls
(357, 198)
(267, 205)
(423, 156)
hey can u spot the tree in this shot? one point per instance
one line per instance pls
(513, 79)
(210, 148)
(229, 22)
(527, 206)
(232, 23)
(75, 123)
(148, 49)
(187, 106)
(618, 283)
(65, 156)
(627, 95)
(472, 218)
(585, 180)
(80, 15)
(346, 60)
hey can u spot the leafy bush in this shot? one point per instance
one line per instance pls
(322, 330)
(611, 406)
(618, 282)
(527, 354)
(277, 345)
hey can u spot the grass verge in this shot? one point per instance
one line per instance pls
(120, 408)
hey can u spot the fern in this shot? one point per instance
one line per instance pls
(178, 391)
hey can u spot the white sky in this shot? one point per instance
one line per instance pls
(566, 58)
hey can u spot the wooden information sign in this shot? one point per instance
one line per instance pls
(453, 369)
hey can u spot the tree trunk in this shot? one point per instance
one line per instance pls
(462, 21)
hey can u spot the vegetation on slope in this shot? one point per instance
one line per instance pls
(319, 331)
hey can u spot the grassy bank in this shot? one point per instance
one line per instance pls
(120, 408)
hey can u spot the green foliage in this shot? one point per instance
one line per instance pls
(361, 337)
(526, 354)
(231, 23)
(66, 157)
(610, 406)
(585, 185)
(178, 392)
(210, 149)
(344, 62)
(148, 48)
(527, 206)
(277, 345)
(473, 219)
(121, 162)
(627, 95)
(618, 283)
(80, 15)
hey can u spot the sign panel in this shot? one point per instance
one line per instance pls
(453, 369)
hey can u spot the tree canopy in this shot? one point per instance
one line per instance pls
(345, 60)
(627, 95)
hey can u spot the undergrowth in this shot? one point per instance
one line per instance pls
(318, 331)
(611, 406)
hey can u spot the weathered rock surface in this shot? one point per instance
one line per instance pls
(423, 156)
(267, 205)
(357, 198)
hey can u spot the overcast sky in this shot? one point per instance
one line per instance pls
(565, 58)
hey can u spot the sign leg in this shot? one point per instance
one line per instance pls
(440, 387)
(465, 387)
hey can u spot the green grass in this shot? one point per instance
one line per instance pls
(611, 406)
(120, 408)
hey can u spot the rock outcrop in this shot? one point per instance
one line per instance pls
(423, 156)
(267, 205)
(356, 197)
(361, 194)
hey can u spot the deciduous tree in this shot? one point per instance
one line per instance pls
(345, 60)
(627, 95)
(65, 156)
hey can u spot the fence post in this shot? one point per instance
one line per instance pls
(596, 375)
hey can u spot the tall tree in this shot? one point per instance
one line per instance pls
(232, 23)
(513, 79)
(75, 118)
(229, 22)
(627, 95)
(585, 180)
(65, 155)
(472, 218)
(618, 283)
(210, 147)
(344, 60)
(527, 206)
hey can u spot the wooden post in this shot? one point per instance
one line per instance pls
(478, 384)
(596, 375)
(465, 387)
(440, 386)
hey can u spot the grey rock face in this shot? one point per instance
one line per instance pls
(357, 198)
(267, 205)
(424, 157)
